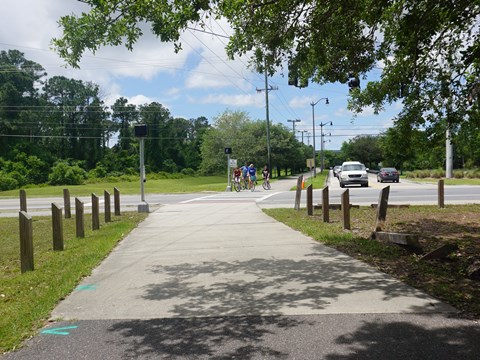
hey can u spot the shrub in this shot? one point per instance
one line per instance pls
(7, 182)
(188, 172)
(65, 174)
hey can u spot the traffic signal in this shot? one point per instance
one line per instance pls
(353, 81)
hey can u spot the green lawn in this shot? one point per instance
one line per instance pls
(26, 300)
(453, 181)
(184, 185)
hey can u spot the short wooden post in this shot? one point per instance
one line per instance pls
(298, 193)
(310, 200)
(325, 205)
(382, 208)
(346, 209)
(441, 193)
(66, 203)
(57, 227)
(95, 213)
(107, 206)
(23, 200)
(116, 199)
(26, 242)
(79, 218)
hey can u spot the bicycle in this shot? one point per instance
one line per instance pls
(237, 184)
(266, 184)
(251, 185)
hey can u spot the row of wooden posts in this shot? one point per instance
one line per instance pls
(26, 227)
(345, 203)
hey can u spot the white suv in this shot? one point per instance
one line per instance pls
(353, 172)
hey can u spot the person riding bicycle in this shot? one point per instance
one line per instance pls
(244, 169)
(237, 172)
(252, 175)
(265, 173)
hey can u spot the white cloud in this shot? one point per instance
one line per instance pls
(228, 100)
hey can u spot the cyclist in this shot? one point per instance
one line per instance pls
(266, 177)
(252, 175)
(237, 172)
(244, 169)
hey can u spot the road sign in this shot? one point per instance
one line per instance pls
(233, 163)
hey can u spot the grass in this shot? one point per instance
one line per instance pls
(159, 186)
(446, 279)
(56, 273)
(452, 181)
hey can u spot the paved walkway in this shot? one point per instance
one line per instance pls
(219, 280)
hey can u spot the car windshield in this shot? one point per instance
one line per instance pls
(353, 167)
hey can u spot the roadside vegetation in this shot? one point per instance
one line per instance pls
(446, 279)
(26, 300)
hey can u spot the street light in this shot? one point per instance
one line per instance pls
(321, 126)
(293, 124)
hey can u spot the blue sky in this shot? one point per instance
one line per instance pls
(199, 81)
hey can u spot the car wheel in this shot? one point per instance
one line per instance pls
(342, 185)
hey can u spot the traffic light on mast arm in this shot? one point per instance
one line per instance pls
(294, 79)
(353, 81)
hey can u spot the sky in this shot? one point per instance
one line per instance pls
(198, 81)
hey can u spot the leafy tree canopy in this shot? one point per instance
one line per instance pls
(428, 49)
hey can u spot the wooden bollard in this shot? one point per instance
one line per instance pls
(116, 199)
(57, 227)
(107, 206)
(382, 208)
(298, 193)
(346, 209)
(66, 203)
(95, 213)
(79, 218)
(26, 242)
(325, 205)
(441, 193)
(310, 200)
(23, 200)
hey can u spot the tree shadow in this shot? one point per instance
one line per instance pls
(410, 340)
(270, 286)
(213, 338)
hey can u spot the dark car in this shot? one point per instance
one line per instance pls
(388, 174)
(336, 170)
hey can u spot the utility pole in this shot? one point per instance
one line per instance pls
(303, 132)
(293, 124)
(267, 89)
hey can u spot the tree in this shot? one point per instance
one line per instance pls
(19, 80)
(124, 116)
(363, 148)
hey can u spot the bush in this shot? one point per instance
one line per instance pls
(7, 182)
(65, 174)
(188, 172)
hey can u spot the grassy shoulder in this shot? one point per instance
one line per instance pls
(445, 279)
(56, 272)
(453, 181)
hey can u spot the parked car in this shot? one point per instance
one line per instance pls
(353, 172)
(388, 174)
(336, 170)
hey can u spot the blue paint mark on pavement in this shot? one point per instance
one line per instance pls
(59, 331)
(86, 287)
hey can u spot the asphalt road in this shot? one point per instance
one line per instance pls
(405, 192)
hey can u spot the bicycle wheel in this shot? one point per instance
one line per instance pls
(266, 185)
(237, 186)
(252, 187)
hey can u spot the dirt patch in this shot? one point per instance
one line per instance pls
(445, 278)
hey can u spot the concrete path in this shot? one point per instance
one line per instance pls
(222, 280)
